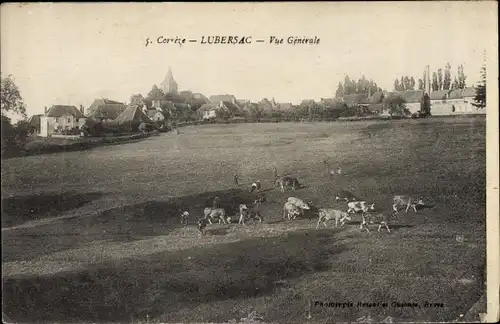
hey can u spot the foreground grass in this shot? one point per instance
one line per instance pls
(133, 260)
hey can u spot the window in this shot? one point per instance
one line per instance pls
(453, 108)
(69, 120)
(77, 120)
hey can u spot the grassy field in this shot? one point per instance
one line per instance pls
(96, 235)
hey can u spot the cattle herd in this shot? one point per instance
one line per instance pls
(294, 207)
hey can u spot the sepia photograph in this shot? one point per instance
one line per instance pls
(250, 162)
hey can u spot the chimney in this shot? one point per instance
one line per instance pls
(82, 110)
(428, 90)
(45, 110)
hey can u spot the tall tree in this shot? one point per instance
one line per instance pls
(347, 85)
(421, 84)
(425, 80)
(480, 98)
(11, 99)
(402, 84)
(340, 90)
(435, 84)
(412, 83)
(447, 77)
(461, 77)
(440, 79)
(396, 85)
(455, 84)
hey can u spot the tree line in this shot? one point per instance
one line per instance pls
(441, 80)
(362, 86)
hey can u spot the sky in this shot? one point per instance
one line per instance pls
(74, 53)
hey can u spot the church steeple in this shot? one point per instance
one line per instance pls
(169, 85)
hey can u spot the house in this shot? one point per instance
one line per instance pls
(454, 102)
(34, 121)
(218, 98)
(211, 111)
(353, 100)
(375, 102)
(208, 111)
(105, 110)
(60, 117)
(285, 106)
(414, 99)
(132, 113)
(157, 115)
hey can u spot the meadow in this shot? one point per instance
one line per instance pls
(96, 235)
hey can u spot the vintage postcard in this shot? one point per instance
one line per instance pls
(246, 162)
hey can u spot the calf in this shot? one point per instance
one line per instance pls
(290, 210)
(407, 201)
(374, 218)
(326, 214)
(202, 225)
(359, 206)
(184, 217)
(345, 195)
(287, 181)
(255, 186)
(215, 213)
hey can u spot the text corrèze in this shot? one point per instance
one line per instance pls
(234, 40)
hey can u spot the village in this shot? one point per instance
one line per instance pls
(166, 106)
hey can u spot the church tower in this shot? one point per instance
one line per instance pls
(169, 85)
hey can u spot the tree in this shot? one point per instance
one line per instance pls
(412, 83)
(421, 84)
(440, 79)
(480, 98)
(435, 84)
(396, 105)
(155, 93)
(396, 85)
(455, 84)
(461, 77)
(347, 85)
(11, 99)
(402, 84)
(137, 99)
(340, 91)
(447, 77)
(425, 80)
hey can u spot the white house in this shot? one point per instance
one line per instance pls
(60, 117)
(454, 102)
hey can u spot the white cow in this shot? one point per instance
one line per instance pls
(326, 214)
(359, 206)
(375, 218)
(407, 201)
(214, 214)
(300, 204)
(290, 210)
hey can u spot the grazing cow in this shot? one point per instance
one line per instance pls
(184, 217)
(202, 225)
(300, 204)
(359, 206)
(326, 214)
(374, 218)
(255, 186)
(260, 199)
(407, 201)
(287, 181)
(214, 214)
(250, 213)
(290, 210)
(345, 195)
